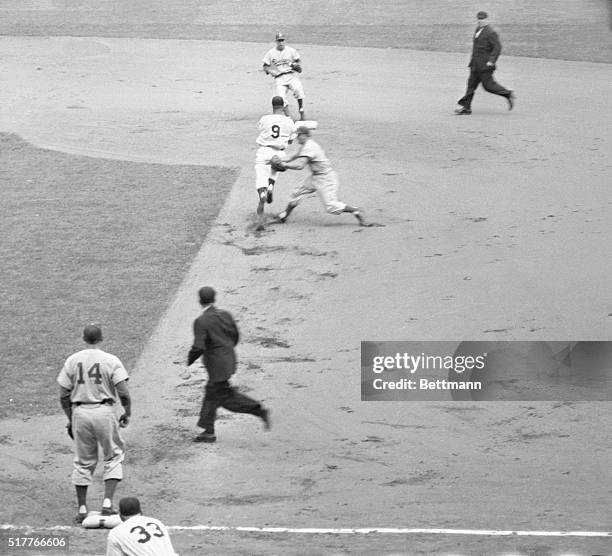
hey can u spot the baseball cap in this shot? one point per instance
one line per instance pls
(207, 294)
(278, 101)
(92, 334)
(303, 130)
(280, 37)
(130, 505)
(482, 15)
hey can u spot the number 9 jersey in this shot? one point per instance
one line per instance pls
(91, 376)
(275, 130)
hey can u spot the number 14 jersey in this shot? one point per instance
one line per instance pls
(91, 375)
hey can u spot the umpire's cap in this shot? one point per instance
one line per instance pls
(207, 295)
(92, 334)
(130, 505)
(278, 101)
(482, 15)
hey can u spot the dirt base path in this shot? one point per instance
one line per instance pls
(496, 228)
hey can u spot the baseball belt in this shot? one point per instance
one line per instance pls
(105, 401)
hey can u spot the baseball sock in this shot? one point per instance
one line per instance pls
(270, 190)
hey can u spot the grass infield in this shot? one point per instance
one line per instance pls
(89, 240)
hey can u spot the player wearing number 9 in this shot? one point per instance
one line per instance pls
(138, 535)
(275, 132)
(91, 383)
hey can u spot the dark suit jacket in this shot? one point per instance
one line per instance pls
(486, 48)
(215, 335)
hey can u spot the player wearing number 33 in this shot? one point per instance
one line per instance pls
(91, 382)
(276, 131)
(138, 535)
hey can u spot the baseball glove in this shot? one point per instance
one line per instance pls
(296, 67)
(277, 164)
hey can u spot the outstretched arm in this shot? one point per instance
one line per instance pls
(296, 163)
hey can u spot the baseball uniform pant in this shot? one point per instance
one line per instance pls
(222, 394)
(94, 424)
(282, 86)
(489, 84)
(326, 185)
(263, 170)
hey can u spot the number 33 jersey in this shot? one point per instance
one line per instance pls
(91, 375)
(275, 130)
(139, 536)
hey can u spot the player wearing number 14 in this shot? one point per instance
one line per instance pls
(138, 535)
(91, 382)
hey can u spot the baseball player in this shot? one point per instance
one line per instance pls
(322, 180)
(91, 382)
(276, 131)
(138, 535)
(283, 63)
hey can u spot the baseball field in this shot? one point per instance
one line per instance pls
(126, 182)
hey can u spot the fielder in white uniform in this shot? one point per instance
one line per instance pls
(322, 180)
(276, 131)
(91, 382)
(138, 535)
(283, 63)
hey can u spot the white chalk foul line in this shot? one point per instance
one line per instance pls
(352, 531)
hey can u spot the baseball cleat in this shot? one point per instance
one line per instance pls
(265, 417)
(108, 511)
(282, 217)
(463, 111)
(78, 519)
(511, 100)
(359, 218)
(205, 437)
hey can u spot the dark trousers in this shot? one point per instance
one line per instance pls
(486, 78)
(222, 394)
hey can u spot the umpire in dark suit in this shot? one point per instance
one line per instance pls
(485, 51)
(215, 335)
